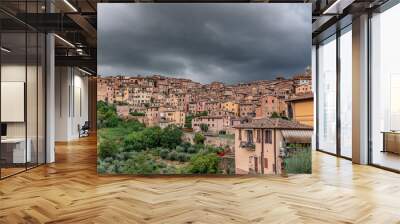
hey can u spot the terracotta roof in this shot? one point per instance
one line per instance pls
(301, 97)
(216, 117)
(274, 123)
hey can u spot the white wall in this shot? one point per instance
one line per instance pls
(71, 102)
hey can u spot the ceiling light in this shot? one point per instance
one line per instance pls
(70, 5)
(64, 40)
(86, 72)
(5, 50)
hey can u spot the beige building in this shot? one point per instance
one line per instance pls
(258, 144)
(175, 117)
(303, 89)
(215, 123)
(123, 110)
(152, 116)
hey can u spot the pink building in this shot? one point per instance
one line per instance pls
(123, 111)
(259, 144)
(153, 116)
(270, 104)
(303, 89)
(247, 110)
(215, 123)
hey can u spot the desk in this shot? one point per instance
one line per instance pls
(391, 141)
(13, 150)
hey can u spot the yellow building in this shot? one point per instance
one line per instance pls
(301, 109)
(174, 116)
(231, 106)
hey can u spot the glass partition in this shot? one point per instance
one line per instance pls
(346, 93)
(385, 89)
(327, 95)
(22, 88)
(13, 94)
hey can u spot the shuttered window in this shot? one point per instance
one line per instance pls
(268, 136)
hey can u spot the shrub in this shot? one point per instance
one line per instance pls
(138, 141)
(156, 151)
(275, 115)
(199, 138)
(183, 157)
(186, 145)
(107, 148)
(141, 163)
(136, 113)
(192, 150)
(299, 162)
(180, 149)
(164, 153)
(173, 155)
(169, 170)
(213, 149)
(204, 164)
(134, 142)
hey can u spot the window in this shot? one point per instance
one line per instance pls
(266, 162)
(249, 136)
(327, 95)
(268, 136)
(240, 134)
(258, 136)
(346, 93)
(385, 88)
(22, 76)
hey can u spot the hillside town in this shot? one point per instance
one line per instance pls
(239, 117)
(159, 100)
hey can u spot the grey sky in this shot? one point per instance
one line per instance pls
(232, 42)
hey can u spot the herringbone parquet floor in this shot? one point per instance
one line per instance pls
(70, 191)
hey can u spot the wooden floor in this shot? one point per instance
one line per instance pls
(70, 191)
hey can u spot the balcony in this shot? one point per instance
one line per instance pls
(247, 145)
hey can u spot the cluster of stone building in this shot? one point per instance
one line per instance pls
(166, 100)
(242, 109)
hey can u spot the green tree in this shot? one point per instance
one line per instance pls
(199, 138)
(202, 113)
(275, 115)
(136, 113)
(107, 115)
(134, 142)
(151, 137)
(107, 148)
(204, 164)
(188, 121)
(141, 163)
(204, 127)
(171, 136)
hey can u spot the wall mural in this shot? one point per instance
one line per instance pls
(207, 88)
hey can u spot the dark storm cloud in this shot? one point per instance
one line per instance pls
(204, 42)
